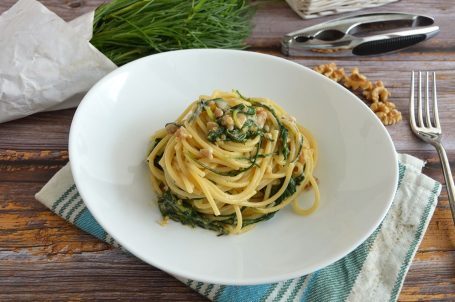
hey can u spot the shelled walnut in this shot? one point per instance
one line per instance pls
(331, 71)
(386, 112)
(330, 50)
(377, 93)
(357, 80)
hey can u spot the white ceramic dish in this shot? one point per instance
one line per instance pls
(109, 140)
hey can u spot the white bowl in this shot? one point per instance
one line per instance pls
(109, 140)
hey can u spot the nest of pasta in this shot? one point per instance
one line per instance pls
(229, 162)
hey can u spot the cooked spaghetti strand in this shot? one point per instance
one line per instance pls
(229, 162)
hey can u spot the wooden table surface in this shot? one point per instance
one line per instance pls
(42, 257)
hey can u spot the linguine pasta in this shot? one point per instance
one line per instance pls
(229, 162)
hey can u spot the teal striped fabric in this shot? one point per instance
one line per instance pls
(375, 271)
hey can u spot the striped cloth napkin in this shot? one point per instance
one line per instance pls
(375, 271)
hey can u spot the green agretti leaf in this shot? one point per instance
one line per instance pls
(283, 132)
(180, 210)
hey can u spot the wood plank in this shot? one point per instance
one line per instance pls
(115, 274)
(25, 223)
(37, 172)
(41, 131)
(430, 278)
(40, 166)
(274, 20)
(33, 156)
(20, 172)
(110, 274)
(49, 131)
(440, 235)
(396, 77)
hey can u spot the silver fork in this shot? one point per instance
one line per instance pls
(430, 131)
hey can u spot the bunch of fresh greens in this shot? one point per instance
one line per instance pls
(125, 30)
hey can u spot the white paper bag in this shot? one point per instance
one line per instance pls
(45, 61)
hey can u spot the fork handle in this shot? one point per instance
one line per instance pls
(448, 177)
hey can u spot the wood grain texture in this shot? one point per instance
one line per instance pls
(115, 275)
(43, 131)
(25, 223)
(42, 257)
(439, 271)
(50, 131)
(111, 274)
(276, 19)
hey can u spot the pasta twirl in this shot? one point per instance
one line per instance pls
(229, 162)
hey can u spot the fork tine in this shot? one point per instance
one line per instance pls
(411, 104)
(435, 103)
(419, 104)
(427, 100)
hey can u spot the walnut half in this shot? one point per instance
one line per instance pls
(386, 112)
(331, 71)
(357, 80)
(377, 93)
